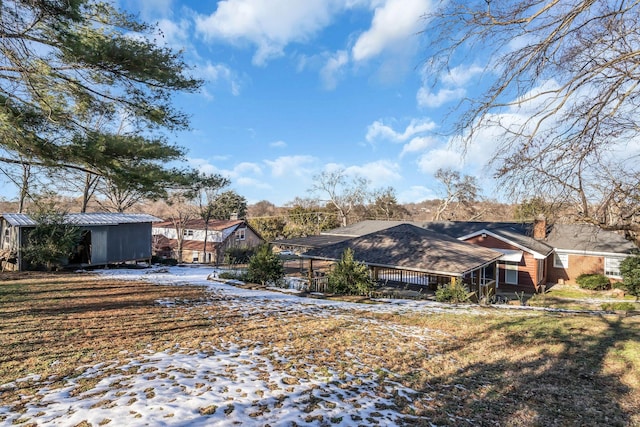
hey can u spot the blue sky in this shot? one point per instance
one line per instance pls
(294, 88)
(297, 87)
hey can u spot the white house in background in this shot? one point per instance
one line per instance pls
(220, 236)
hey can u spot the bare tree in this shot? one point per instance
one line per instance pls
(341, 192)
(385, 205)
(563, 80)
(461, 190)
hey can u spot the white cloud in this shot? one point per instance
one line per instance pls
(416, 194)
(278, 144)
(426, 98)
(237, 172)
(290, 165)
(461, 75)
(333, 68)
(175, 33)
(270, 26)
(378, 130)
(247, 168)
(438, 158)
(417, 144)
(215, 73)
(380, 173)
(394, 23)
(252, 183)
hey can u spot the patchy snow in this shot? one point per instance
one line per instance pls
(233, 385)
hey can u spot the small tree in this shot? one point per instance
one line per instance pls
(350, 276)
(52, 240)
(630, 270)
(265, 266)
(455, 292)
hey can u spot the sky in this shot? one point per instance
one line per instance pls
(294, 88)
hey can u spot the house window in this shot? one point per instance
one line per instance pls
(511, 273)
(240, 233)
(195, 257)
(612, 267)
(187, 233)
(561, 260)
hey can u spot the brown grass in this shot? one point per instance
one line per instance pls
(501, 368)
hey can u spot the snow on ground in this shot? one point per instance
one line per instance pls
(231, 385)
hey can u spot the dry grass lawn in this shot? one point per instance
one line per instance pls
(500, 368)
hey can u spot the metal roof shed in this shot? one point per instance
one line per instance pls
(107, 238)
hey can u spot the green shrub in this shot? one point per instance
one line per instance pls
(238, 255)
(455, 292)
(164, 261)
(52, 241)
(618, 306)
(630, 270)
(349, 276)
(594, 282)
(265, 266)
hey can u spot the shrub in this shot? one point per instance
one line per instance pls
(630, 270)
(455, 292)
(594, 282)
(349, 276)
(238, 255)
(52, 241)
(237, 275)
(164, 261)
(618, 306)
(265, 266)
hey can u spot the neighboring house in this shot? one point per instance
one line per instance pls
(533, 254)
(585, 249)
(411, 254)
(107, 238)
(220, 236)
(523, 265)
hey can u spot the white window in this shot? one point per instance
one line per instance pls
(612, 267)
(561, 260)
(511, 273)
(195, 257)
(240, 233)
(187, 233)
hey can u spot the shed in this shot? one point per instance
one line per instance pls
(107, 238)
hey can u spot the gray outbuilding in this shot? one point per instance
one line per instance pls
(107, 238)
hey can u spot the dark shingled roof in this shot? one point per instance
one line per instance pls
(310, 241)
(517, 232)
(408, 247)
(588, 238)
(365, 227)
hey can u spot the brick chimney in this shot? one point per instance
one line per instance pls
(540, 227)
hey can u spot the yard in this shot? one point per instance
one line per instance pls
(168, 347)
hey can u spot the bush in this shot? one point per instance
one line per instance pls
(618, 306)
(349, 276)
(265, 266)
(594, 282)
(630, 270)
(164, 261)
(236, 275)
(52, 241)
(238, 255)
(456, 292)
